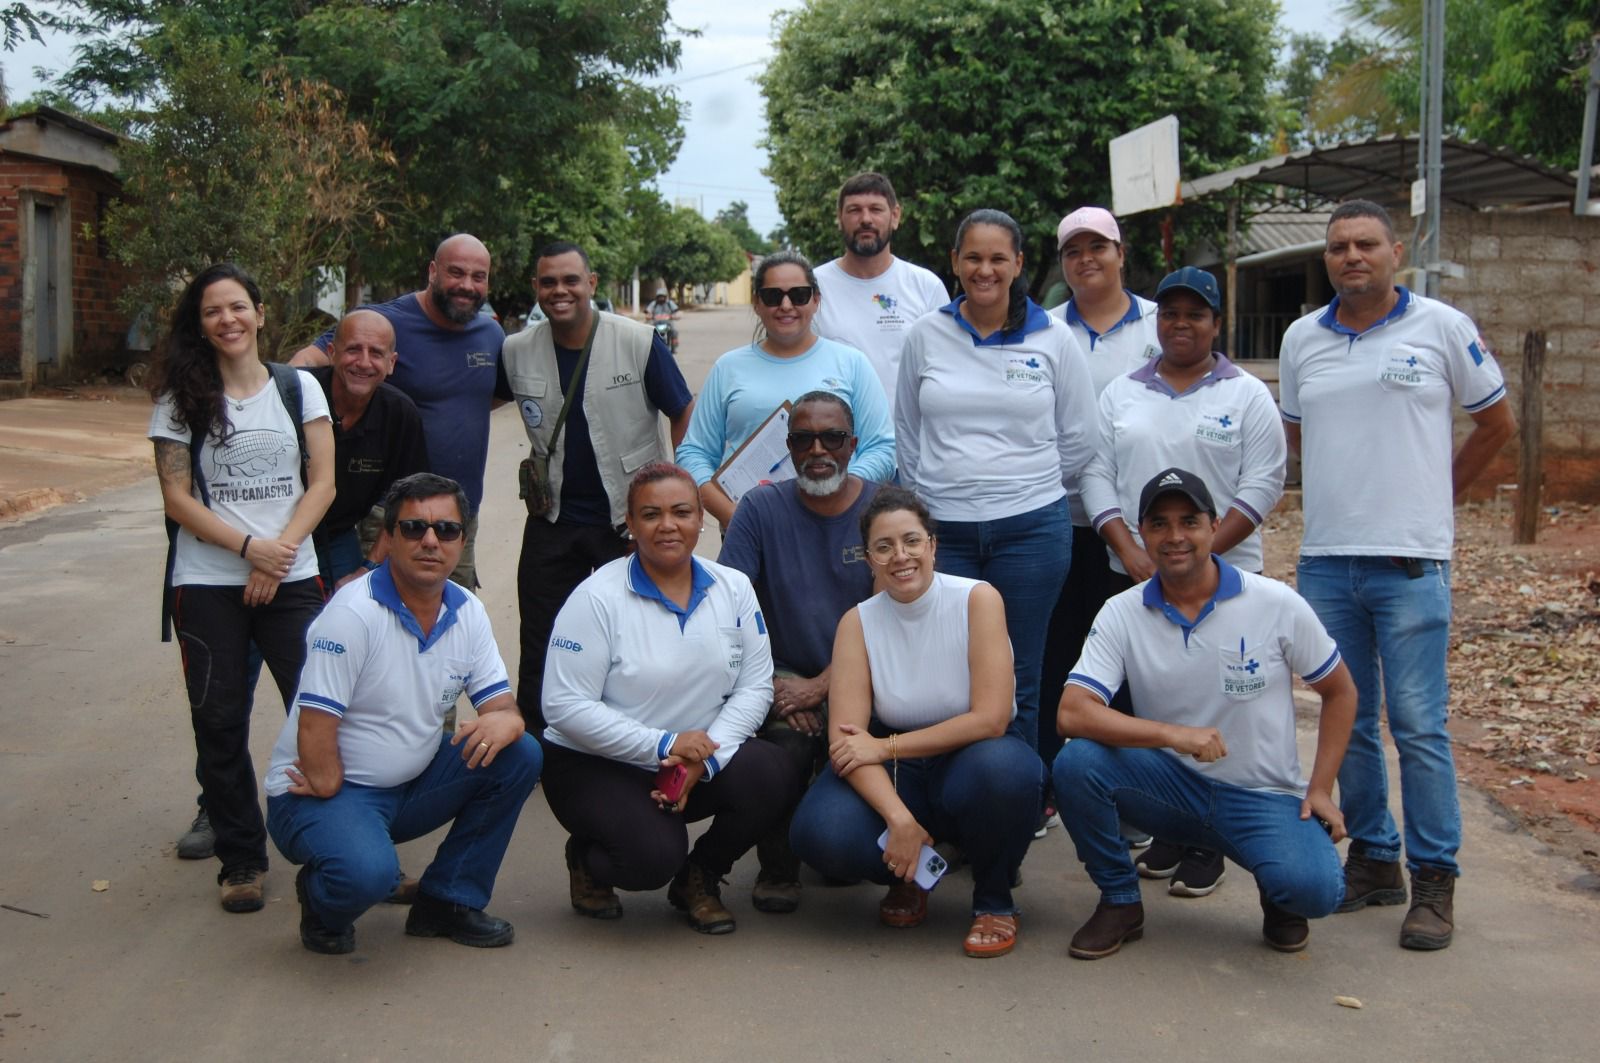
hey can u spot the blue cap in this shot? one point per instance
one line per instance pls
(1192, 279)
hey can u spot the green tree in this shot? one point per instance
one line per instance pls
(1002, 103)
(736, 219)
(19, 21)
(266, 170)
(1302, 109)
(682, 248)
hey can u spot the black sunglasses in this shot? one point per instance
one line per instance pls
(799, 295)
(448, 531)
(832, 439)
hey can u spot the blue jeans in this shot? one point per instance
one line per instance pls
(1394, 635)
(1294, 862)
(340, 555)
(984, 797)
(348, 839)
(1025, 558)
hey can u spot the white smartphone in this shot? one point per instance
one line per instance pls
(930, 865)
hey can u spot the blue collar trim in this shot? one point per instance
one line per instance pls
(1229, 585)
(1075, 318)
(386, 594)
(1329, 318)
(701, 582)
(1147, 375)
(1035, 320)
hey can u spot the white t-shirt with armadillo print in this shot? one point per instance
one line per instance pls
(253, 477)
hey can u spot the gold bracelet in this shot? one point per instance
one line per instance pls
(894, 755)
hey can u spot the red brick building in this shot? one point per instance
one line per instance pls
(58, 283)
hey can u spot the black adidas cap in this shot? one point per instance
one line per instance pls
(1179, 480)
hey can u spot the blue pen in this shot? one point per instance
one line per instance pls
(776, 466)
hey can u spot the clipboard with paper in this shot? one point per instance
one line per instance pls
(763, 458)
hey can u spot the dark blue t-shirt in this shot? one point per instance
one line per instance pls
(583, 496)
(808, 570)
(450, 375)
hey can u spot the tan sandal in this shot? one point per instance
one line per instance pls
(989, 924)
(904, 906)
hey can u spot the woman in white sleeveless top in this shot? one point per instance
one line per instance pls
(922, 693)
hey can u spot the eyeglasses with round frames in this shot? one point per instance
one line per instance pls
(914, 546)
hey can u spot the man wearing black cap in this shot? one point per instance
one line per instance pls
(1209, 757)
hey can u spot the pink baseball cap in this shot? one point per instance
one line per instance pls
(1097, 220)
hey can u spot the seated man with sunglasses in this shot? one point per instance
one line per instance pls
(799, 541)
(363, 762)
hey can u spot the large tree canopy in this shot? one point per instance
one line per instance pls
(1001, 103)
(490, 107)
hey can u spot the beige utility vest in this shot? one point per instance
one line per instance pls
(624, 426)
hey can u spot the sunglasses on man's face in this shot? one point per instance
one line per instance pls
(832, 439)
(448, 531)
(799, 295)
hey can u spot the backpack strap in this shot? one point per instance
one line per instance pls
(287, 377)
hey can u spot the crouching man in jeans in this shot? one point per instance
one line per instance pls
(363, 762)
(1208, 758)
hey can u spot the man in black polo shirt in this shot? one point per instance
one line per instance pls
(377, 439)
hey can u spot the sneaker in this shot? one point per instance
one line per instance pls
(1198, 873)
(1431, 921)
(1047, 819)
(199, 842)
(1136, 839)
(1368, 881)
(241, 889)
(1159, 860)
(1107, 930)
(700, 895)
(588, 896)
(434, 918)
(313, 935)
(1283, 930)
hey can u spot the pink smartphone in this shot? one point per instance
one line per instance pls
(670, 782)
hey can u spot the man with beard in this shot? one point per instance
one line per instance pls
(870, 296)
(799, 541)
(447, 354)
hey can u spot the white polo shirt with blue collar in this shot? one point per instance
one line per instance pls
(1231, 668)
(628, 668)
(1375, 415)
(1224, 428)
(368, 663)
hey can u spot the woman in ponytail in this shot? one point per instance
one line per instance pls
(994, 412)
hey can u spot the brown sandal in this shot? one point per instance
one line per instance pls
(989, 924)
(904, 906)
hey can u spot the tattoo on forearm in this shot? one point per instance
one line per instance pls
(172, 462)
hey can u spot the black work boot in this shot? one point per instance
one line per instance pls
(777, 887)
(1431, 920)
(698, 893)
(1368, 881)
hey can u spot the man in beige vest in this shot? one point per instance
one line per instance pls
(610, 429)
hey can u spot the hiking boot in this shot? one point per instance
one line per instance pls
(199, 842)
(313, 935)
(1368, 881)
(1283, 930)
(777, 888)
(241, 889)
(432, 917)
(588, 896)
(700, 894)
(1199, 873)
(1159, 860)
(1107, 929)
(1431, 920)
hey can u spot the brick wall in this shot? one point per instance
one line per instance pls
(1537, 270)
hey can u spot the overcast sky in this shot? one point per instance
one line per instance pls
(719, 162)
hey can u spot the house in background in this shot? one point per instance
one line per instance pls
(58, 282)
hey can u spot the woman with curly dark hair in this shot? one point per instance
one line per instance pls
(243, 499)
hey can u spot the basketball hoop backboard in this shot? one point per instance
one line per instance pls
(1144, 168)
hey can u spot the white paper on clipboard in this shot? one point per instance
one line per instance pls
(761, 459)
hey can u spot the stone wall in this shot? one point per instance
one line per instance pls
(1529, 271)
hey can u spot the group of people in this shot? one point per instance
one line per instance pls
(985, 504)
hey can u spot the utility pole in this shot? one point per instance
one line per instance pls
(1430, 159)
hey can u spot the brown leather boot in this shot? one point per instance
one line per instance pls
(588, 896)
(700, 894)
(1106, 930)
(1431, 920)
(1368, 881)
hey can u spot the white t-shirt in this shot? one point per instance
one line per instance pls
(1231, 669)
(253, 478)
(993, 428)
(873, 315)
(368, 664)
(1121, 349)
(917, 653)
(1224, 429)
(627, 668)
(1376, 437)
